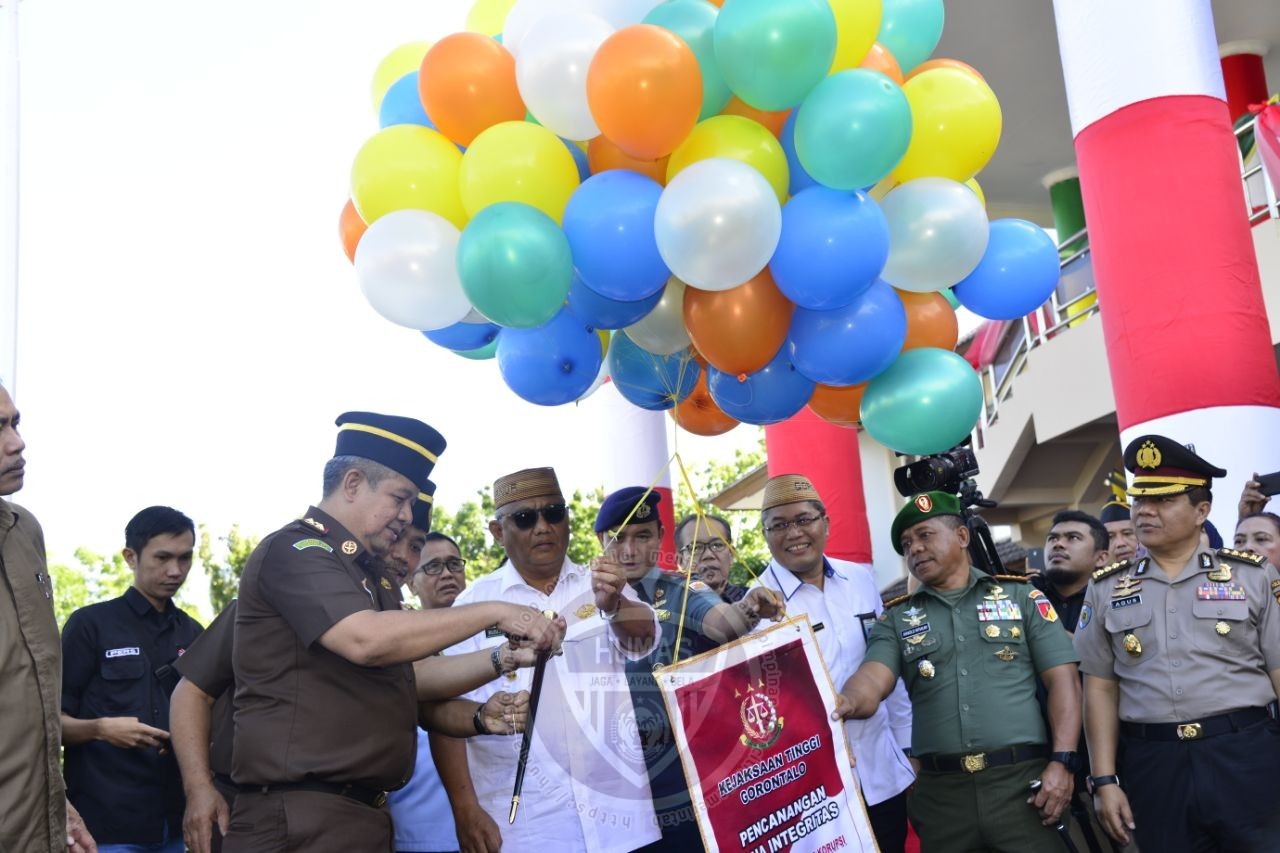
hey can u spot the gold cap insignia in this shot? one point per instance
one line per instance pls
(924, 503)
(644, 511)
(350, 547)
(1149, 455)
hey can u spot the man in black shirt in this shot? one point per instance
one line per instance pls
(117, 675)
(1075, 548)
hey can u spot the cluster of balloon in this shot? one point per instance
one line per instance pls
(769, 203)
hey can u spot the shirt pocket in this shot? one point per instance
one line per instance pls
(1002, 652)
(1123, 621)
(1211, 617)
(124, 685)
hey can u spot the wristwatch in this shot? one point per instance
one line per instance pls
(1069, 760)
(609, 616)
(1093, 783)
(478, 721)
(495, 658)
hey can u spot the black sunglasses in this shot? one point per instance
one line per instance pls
(525, 519)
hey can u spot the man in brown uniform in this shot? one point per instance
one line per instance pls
(320, 654)
(34, 813)
(1181, 656)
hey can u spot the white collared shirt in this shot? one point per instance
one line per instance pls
(847, 606)
(585, 786)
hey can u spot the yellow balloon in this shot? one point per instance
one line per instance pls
(973, 184)
(857, 23)
(882, 189)
(737, 138)
(518, 161)
(407, 167)
(488, 16)
(399, 62)
(604, 336)
(955, 125)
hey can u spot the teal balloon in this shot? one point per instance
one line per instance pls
(772, 52)
(910, 29)
(852, 129)
(515, 265)
(950, 297)
(926, 402)
(483, 353)
(695, 22)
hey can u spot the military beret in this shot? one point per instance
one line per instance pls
(1114, 511)
(1161, 466)
(422, 507)
(619, 505)
(788, 489)
(522, 485)
(407, 446)
(920, 508)
(1215, 538)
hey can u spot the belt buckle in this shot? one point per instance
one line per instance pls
(974, 763)
(1189, 731)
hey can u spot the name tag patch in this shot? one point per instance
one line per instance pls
(124, 652)
(916, 631)
(995, 611)
(1127, 601)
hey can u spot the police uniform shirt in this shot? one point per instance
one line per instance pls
(847, 606)
(971, 662)
(296, 702)
(586, 785)
(117, 659)
(1204, 641)
(207, 665)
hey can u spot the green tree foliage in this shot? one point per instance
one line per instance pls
(752, 554)
(93, 578)
(224, 569)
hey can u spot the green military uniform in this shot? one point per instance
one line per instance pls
(970, 660)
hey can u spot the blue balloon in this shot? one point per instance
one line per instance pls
(552, 364)
(654, 382)
(609, 223)
(799, 179)
(1016, 274)
(464, 336)
(579, 159)
(604, 313)
(402, 105)
(773, 393)
(833, 246)
(849, 345)
(910, 29)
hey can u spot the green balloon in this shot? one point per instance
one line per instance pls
(695, 22)
(926, 402)
(772, 52)
(483, 353)
(515, 265)
(951, 298)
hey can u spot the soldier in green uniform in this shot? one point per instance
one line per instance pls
(969, 647)
(1180, 650)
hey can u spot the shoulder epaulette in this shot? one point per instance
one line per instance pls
(1242, 556)
(1014, 578)
(893, 602)
(314, 525)
(1107, 571)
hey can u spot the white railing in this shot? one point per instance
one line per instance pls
(1075, 299)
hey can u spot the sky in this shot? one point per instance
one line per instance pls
(189, 326)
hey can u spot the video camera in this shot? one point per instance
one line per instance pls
(953, 472)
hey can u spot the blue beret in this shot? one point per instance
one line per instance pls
(422, 507)
(406, 446)
(618, 506)
(1215, 538)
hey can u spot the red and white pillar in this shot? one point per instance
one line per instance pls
(633, 456)
(1182, 311)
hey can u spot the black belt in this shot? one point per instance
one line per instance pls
(369, 796)
(1220, 724)
(978, 761)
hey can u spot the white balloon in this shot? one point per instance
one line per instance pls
(717, 224)
(624, 13)
(526, 13)
(601, 377)
(938, 233)
(407, 267)
(662, 330)
(551, 71)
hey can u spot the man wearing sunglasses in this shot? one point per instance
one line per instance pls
(706, 541)
(586, 787)
(843, 597)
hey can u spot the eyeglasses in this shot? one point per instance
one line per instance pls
(697, 549)
(525, 519)
(456, 565)
(783, 526)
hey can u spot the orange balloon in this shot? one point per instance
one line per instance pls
(350, 228)
(838, 405)
(697, 356)
(603, 155)
(931, 321)
(880, 59)
(738, 330)
(467, 84)
(942, 62)
(772, 121)
(699, 414)
(644, 88)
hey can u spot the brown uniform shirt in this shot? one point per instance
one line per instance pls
(207, 665)
(302, 711)
(32, 797)
(1203, 642)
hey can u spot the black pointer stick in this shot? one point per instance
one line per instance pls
(535, 693)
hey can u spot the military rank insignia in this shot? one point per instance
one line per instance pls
(304, 544)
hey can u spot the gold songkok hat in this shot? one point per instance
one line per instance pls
(522, 485)
(788, 489)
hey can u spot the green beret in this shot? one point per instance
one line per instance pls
(920, 508)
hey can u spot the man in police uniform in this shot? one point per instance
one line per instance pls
(1115, 517)
(321, 645)
(841, 597)
(1181, 656)
(970, 647)
(630, 532)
